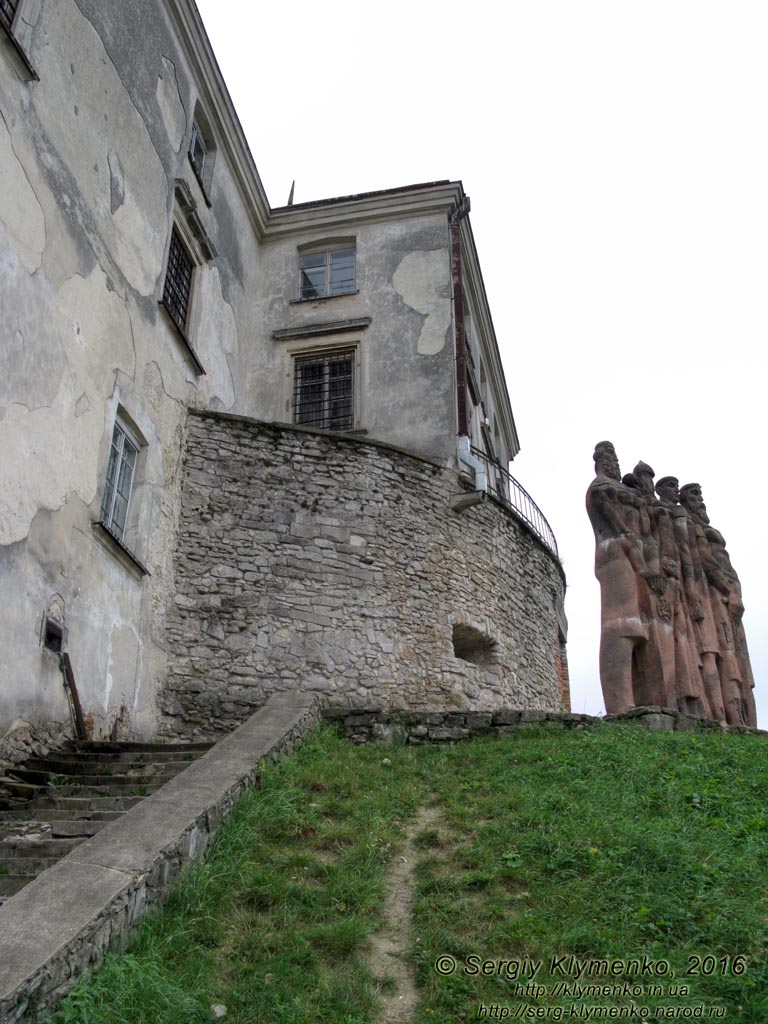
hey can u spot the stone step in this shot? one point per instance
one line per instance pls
(11, 884)
(15, 865)
(74, 805)
(99, 768)
(58, 814)
(107, 747)
(121, 757)
(31, 848)
(76, 827)
(56, 781)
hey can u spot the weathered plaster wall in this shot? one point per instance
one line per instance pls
(337, 566)
(88, 159)
(406, 355)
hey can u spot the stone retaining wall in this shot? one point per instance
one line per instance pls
(363, 725)
(338, 565)
(57, 927)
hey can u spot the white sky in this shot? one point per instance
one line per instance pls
(616, 156)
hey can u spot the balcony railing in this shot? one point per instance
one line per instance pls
(512, 495)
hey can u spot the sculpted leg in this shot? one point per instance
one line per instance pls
(616, 672)
(712, 686)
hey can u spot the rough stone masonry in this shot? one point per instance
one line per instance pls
(336, 565)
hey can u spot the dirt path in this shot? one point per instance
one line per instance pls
(388, 956)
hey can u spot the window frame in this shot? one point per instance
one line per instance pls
(202, 134)
(122, 438)
(325, 359)
(123, 541)
(176, 293)
(326, 251)
(188, 231)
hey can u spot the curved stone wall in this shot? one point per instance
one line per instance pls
(337, 565)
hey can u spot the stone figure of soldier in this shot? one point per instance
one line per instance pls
(677, 565)
(726, 607)
(671, 606)
(631, 672)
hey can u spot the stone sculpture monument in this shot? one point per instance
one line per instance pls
(671, 607)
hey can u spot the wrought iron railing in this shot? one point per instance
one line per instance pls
(505, 489)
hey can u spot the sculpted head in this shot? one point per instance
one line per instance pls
(668, 489)
(692, 501)
(644, 475)
(606, 462)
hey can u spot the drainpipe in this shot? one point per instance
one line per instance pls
(463, 449)
(455, 220)
(463, 441)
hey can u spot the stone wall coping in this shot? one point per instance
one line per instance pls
(294, 428)
(372, 722)
(55, 926)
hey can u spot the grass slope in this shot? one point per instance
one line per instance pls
(582, 852)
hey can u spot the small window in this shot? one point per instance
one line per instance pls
(202, 151)
(327, 273)
(123, 454)
(197, 151)
(178, 282)
(323, 391)
(471, 645)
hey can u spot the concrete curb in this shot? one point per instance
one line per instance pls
(64, 921)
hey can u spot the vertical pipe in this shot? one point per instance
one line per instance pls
(458, 317)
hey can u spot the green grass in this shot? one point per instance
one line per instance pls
(610, 843)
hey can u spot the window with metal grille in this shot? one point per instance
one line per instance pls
(8, 12)
(327, 273)
(117, 490)
(323, 391)
(178, 282)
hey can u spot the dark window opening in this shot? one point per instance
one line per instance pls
(323, 390)
(178, 282)
(471, 645)
(53, 636)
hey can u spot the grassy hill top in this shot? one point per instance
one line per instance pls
(605, 873)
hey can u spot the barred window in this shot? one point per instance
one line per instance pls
(8, 12)
(323, 391)
(327, 273)
(178, 282)
(117, 490)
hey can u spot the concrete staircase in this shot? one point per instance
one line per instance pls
(50, 805)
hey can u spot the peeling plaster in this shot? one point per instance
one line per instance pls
(137, 227)
(418, 281)
(32, 359)
(53, 450)
(216, 339)
(20, 210)
(171, 108)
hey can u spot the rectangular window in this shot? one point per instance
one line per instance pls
(8, 12)
(178, 282)
(117, 491)
(327, 273)
(323, 391)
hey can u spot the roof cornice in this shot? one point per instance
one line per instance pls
(330, 215)
(219, 108)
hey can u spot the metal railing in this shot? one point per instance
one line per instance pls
(512, 495)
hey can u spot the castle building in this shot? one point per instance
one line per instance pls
(243, 448)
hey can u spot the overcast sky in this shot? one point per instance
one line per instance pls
(616, 157)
